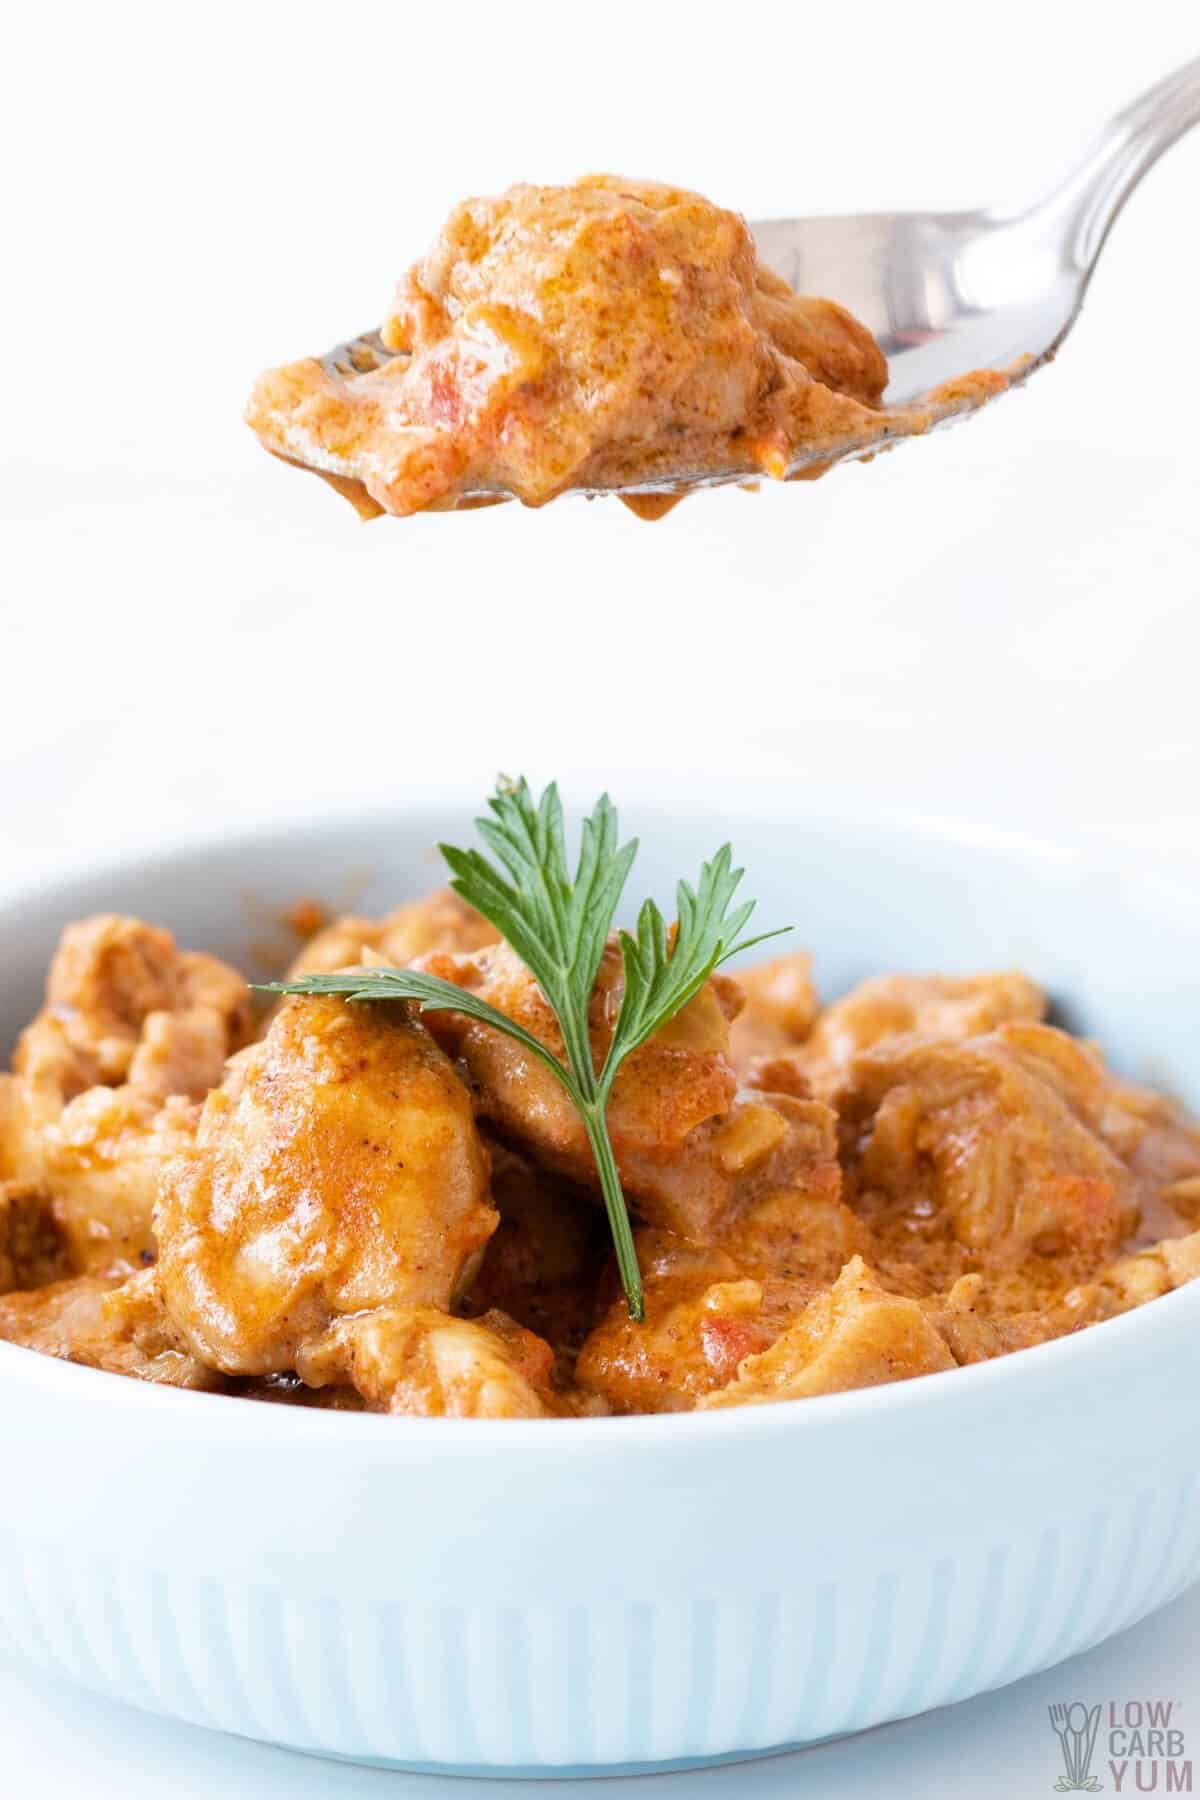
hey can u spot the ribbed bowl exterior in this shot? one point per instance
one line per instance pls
(562, 1689)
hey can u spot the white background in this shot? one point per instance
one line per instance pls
(1000, 624)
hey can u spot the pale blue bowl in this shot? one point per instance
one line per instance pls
(600, 1595)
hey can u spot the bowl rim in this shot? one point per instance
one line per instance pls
(770, 1419)
(1096, 853)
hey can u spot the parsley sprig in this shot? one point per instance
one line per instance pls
(559, 926)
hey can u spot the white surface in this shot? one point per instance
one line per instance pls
(1001, 623)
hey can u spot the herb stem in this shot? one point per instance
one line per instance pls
(594, 1124)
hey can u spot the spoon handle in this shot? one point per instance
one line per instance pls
(1082, 208)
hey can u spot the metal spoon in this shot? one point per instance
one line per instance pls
(948, 292)
(944, 293)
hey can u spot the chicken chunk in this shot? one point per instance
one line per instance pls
(441, 921)
(1132, 1280)
(852, 1336)
(780, 1010)
(416, 1359)
(1149, 1273)
(708, 1306)
(977, 1322)
(337, 1172)
(1181, 1258)
(1163, 1149)
(124, 1004)
(948, 1007)
(678, 1081)
(1013, 1139)
(702, 1317)
(100, 1160)
(106, 1079)
(104, 1324)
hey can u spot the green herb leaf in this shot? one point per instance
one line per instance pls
(661, 976)
(559, 927)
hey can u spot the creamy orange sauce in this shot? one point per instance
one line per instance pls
(355, 1207)
(607, 335)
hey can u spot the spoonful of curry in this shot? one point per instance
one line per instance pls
(632, 338)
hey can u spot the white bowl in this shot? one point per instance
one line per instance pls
(593, 1595)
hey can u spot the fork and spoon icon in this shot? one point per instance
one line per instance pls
(1076, 1726)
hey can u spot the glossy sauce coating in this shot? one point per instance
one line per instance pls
(379, 1211)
